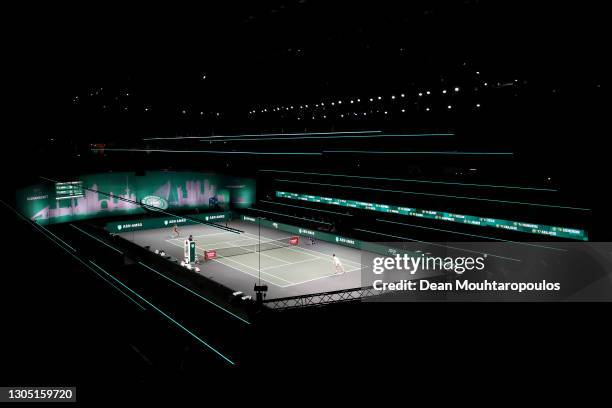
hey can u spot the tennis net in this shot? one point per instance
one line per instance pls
(254, 248)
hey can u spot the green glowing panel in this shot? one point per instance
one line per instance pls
(518, 226)
(163, 222)
(83, 197)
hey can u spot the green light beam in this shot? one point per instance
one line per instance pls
(328, 137)
(418, 152)
(38, 228)
(469, 235)
(167, 316)
(439, 195)
(210, 152)
(306, 208)
(440, 245)
(291, 216)
(262, 134)
(411, 180)
(97, 239)
(195, 293)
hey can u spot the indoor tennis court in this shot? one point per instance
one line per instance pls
(287, 269)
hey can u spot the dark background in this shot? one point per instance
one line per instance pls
(299, 52)
(113, 74)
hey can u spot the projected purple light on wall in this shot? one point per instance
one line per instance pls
(178, 189)
(90, 203)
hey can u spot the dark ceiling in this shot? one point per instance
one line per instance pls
(283, 51)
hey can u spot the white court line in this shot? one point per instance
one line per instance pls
(199, 236)
(232, 242)
(211, 235)
(278, 259)
(212, 247)
(301, 250)
(318, 252)
(215, 234)
(298, 250)
(253, 252)
(255, 276)
(270, 256)
(328, 256)
(246, 266)
(326, 276)
(254, 240)
(314, 257)
(263, 271)
(292, 263)
(250, 267)
(217, 243)
(250, 274)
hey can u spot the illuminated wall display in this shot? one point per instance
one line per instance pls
(531, 228)
(109, 194)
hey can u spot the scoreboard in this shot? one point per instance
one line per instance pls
(67, 190)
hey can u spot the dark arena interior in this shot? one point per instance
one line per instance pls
(291, 186)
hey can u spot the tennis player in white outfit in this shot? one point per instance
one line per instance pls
(337, 264)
